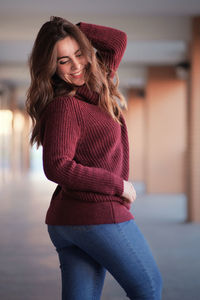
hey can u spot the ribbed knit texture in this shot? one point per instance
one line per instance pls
(85, 151)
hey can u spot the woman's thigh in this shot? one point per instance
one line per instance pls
(122, 249)
(82, 276)
(126, 255)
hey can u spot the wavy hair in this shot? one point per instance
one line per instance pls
(46, 84)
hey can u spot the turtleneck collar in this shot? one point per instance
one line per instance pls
(83, 93)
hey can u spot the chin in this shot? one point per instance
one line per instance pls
(80, 83)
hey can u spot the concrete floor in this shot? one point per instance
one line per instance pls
(29, 264)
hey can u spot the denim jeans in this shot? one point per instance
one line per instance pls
(87, 251)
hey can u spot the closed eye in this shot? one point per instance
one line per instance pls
(66, 61)
(63, 62)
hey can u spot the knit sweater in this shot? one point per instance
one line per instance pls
(85, 151)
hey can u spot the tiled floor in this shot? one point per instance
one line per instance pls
(28, 262)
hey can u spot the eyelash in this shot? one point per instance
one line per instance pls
(64, 62)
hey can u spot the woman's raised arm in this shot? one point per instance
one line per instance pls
(109, 42)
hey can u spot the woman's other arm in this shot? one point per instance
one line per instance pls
(60, 139)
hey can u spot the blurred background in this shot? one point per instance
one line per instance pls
(160, 78)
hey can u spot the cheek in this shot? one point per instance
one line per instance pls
(61, 70)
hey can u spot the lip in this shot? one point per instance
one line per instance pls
(75, 75)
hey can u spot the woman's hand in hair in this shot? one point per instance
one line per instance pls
(129, 192)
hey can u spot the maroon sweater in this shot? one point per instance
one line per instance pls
(85, 151)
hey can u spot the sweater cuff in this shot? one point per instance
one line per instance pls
(84, 27)
(119, 186)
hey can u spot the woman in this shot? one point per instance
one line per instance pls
(72, 101)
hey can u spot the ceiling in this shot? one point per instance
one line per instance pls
(102, 8)
(159, 32)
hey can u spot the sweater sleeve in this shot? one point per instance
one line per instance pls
(62, 133)
(109, 42)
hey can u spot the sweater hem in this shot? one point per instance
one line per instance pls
(90, 222)
(84, 213)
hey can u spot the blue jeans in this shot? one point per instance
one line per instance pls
(87, 251)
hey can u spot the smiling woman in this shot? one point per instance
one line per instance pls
(79, 123)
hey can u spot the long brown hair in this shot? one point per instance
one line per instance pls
(46, 84)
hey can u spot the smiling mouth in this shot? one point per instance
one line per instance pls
(77, 74)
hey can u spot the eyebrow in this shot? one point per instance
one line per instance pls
(60, 57)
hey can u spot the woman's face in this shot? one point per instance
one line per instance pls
(71, 64)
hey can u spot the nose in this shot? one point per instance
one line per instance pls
(75, 64)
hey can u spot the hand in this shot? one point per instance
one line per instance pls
(129, 192)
